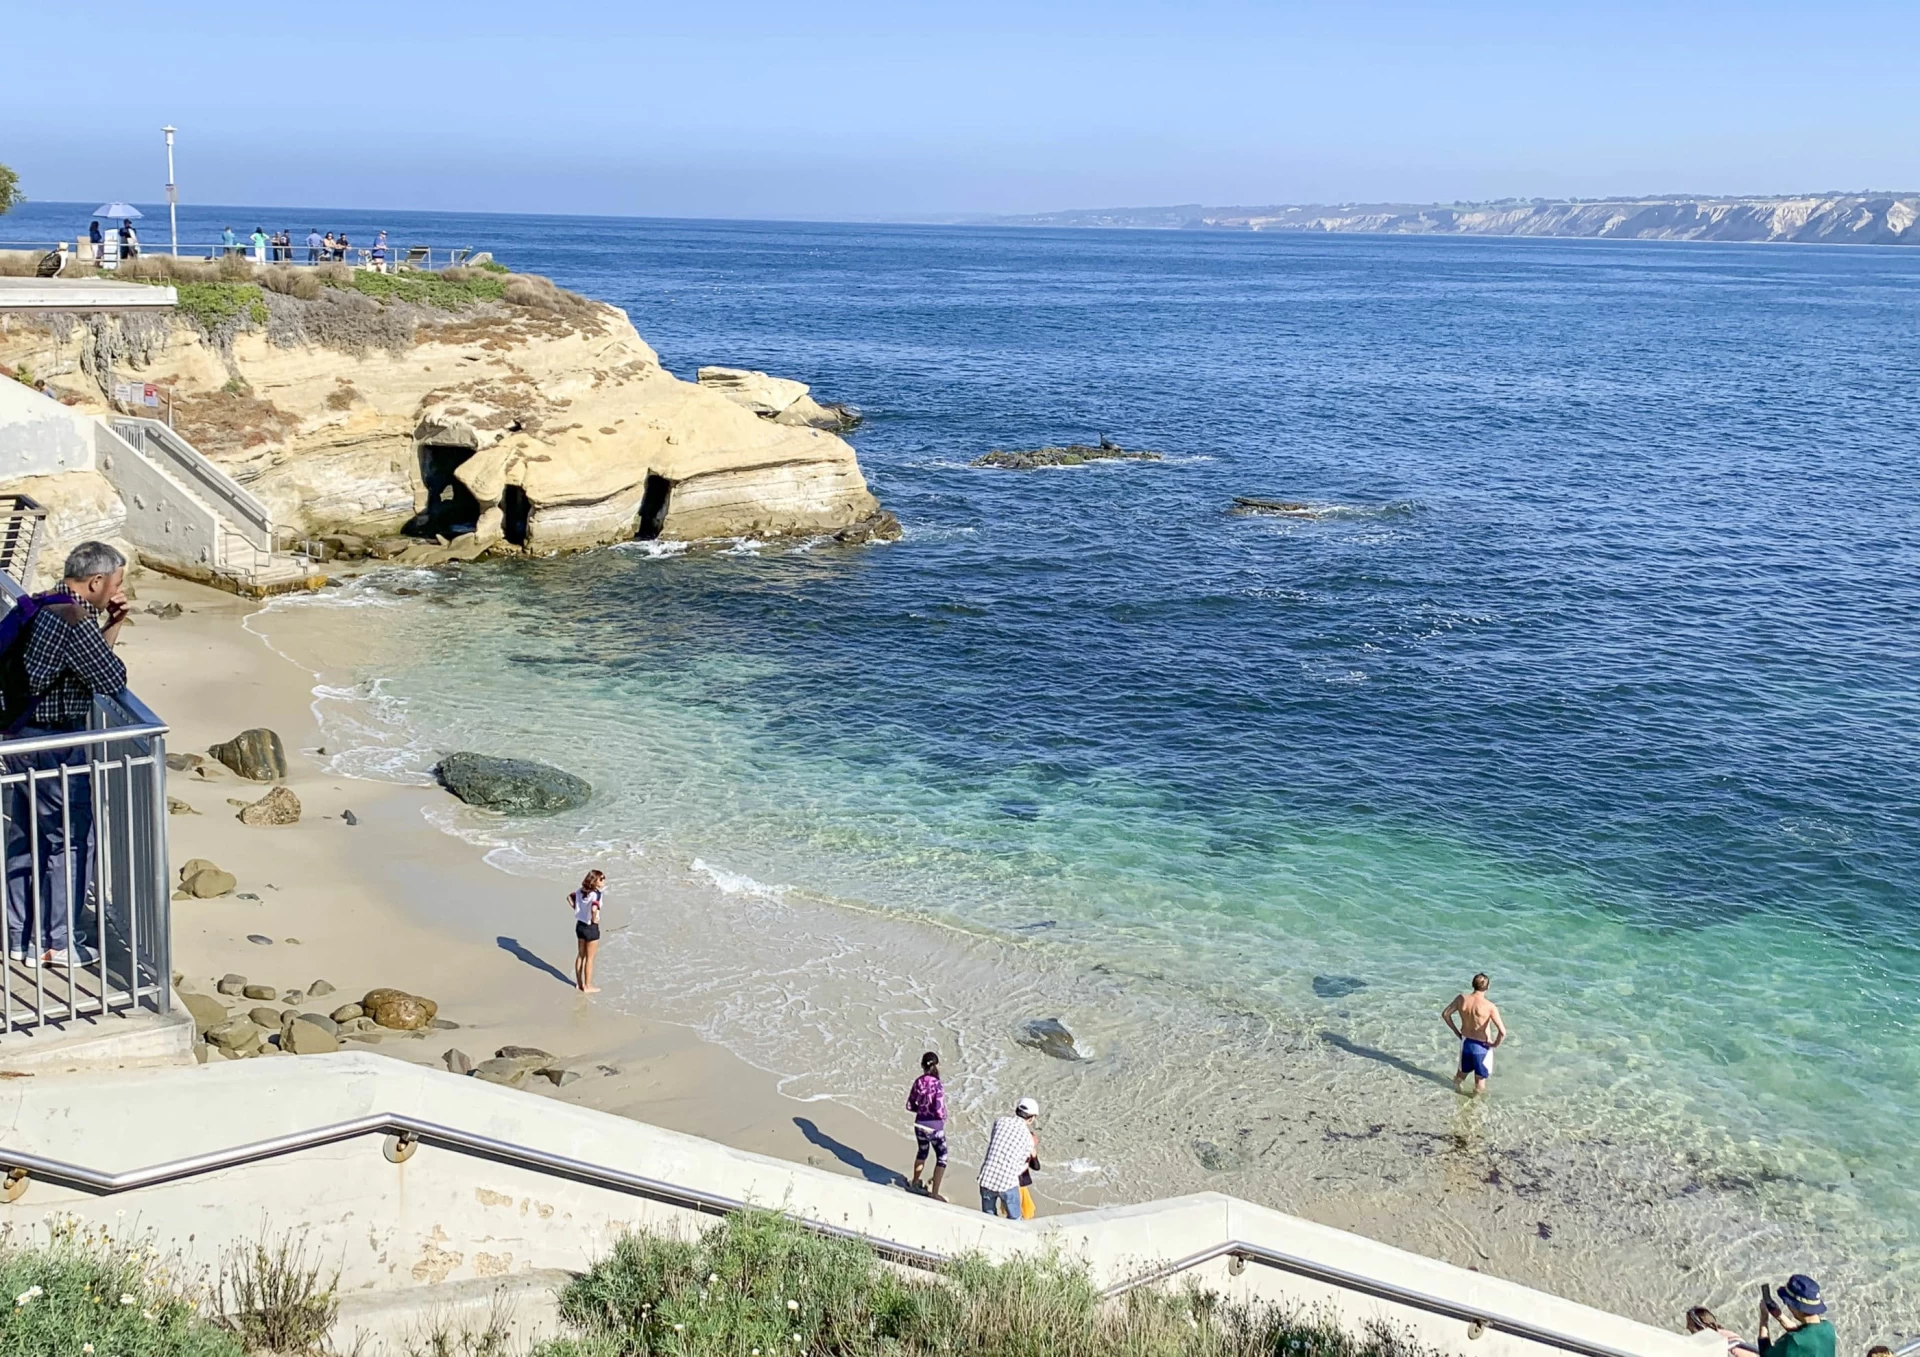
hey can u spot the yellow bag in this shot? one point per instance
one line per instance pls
(1027, 1211)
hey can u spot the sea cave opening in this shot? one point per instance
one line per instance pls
(515, 510)
(451, 508)
(653, 508)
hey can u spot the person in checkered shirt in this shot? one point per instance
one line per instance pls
(1011, 1148)
(68, 658)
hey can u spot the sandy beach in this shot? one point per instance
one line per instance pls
(356, 904)
(1284, 1110)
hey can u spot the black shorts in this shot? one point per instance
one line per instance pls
(586, 932)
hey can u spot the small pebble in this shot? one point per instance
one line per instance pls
(293, 942)
(246, 895)
(255, 937)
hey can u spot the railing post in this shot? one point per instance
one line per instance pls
(162, 894)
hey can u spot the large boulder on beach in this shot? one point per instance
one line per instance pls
(205, 1010)
(255, 754)
(514, 786)
(397, 1010)
(202, 880)
(278, 807)
(303, 1036)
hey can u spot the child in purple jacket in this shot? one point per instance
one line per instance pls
(927, 1100)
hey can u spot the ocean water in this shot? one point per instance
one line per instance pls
(1594, 667)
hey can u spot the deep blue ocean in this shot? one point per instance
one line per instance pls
(1596, 665)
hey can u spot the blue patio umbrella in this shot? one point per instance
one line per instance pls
(125, 210)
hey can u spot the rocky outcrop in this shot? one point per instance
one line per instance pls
(1073, 454)
(513, 786)
(535, 422)
(780, 399)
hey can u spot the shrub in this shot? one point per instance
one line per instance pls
(274, 1298)
(85, 1292)
(758, 1285)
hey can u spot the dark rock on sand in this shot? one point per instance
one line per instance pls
(256, 754)
(515, 786)
(1049, 1036)
(349, 817)
(231, 984)
(1337, 986)
(319, 989)
(522, 1053)
(175, 806)
(260, 992)
(457, 1061)
(1073, 454)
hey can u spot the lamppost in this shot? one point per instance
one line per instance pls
(173, 212)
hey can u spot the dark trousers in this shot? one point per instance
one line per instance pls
(38, 833)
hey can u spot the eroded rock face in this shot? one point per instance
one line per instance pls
(530, 429)
(514, 786)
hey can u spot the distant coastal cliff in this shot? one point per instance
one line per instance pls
(1845, 219)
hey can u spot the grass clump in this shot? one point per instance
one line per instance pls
(85, 1292)
(757, 1285)
(276, 1299)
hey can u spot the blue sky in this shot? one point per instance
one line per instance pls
(856, 108)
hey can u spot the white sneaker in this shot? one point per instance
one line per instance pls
(56, 957)
(17, 954)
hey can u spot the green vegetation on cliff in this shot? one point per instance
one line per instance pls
(10, 194)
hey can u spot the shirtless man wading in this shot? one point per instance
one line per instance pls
(1474, 1019)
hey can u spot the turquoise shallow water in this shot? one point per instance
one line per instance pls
(1596, 670)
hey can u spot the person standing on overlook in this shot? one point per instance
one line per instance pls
(1473, 1018)
(57, 659)
(315, 244)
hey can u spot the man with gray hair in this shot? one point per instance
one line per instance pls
(57, 663)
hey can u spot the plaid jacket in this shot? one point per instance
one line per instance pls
(68, 661)
(1009, 1147)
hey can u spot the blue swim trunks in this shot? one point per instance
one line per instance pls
(1473, 1059)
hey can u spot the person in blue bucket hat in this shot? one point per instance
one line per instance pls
(1807, 1333)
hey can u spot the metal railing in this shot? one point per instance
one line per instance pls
(406, 1133)
(83, 824)
(356, 256)
(245, 514)
(21, 518)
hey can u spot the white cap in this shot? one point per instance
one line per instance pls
(1027, 1107)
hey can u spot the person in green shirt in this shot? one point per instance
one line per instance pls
(1806, 1333)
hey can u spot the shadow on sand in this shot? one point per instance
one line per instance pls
(852, 1158)
(1352, 1047)
(538, 963)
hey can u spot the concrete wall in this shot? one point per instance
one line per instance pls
(164, 520)
(447, 1217)
(39, 436)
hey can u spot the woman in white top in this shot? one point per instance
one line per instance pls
(586, 929)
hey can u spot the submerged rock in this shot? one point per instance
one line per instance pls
(1073, 454)
(879, 527)
(1337, 986)
(1284, 508)
(255, 754)
(1049, 1036)
(515, 786)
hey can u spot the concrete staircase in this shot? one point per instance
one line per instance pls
(189, 518)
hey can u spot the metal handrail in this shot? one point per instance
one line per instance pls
(410, 1130)
(211, 480)
(1481, 1318)
(414, 1129)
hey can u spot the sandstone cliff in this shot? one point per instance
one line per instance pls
(453, 404)
(1836, 219)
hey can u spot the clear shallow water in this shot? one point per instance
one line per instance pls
(1598, 673)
